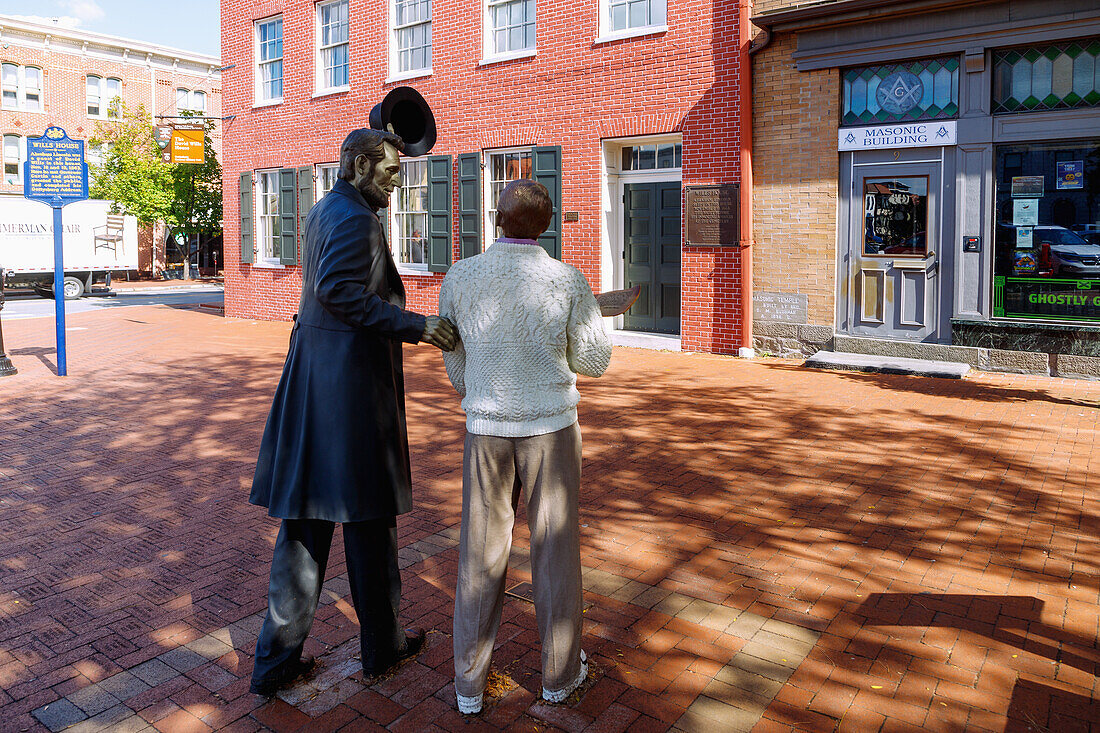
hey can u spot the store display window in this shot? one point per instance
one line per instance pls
(896, 216)
(1046, 245)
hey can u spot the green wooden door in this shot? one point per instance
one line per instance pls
(651, 224)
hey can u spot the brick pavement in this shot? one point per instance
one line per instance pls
(765, 547)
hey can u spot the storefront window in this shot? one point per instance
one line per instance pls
(914, 90)
(1046, 262)
(1057, 76)
(896, 216)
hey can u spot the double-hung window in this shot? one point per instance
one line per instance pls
(504, 166)
(326, 178)
(267, 215)
(14, 154)
(631, 17)
(410, 207)
(269, 60)
(332, 45)
(190, 101)
(22, 87)
(509, 28)
(411, 46)
(103, 95)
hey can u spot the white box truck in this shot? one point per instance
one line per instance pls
(95, 241)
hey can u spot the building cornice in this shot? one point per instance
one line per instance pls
(844, 12)
(110, 48)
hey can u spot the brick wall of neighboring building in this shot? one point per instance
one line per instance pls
(574, 93)
(795, 190)
(149, 76)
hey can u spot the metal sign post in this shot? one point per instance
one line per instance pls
(6, 367)
(55, 174)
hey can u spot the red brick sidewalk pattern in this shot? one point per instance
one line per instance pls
(765, 547)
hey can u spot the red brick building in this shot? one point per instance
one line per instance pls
(617, 105)
(51, 75)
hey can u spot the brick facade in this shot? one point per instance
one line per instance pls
(795, 163)
(149, 76)
(573, 93)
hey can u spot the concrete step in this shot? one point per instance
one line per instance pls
(887, 364)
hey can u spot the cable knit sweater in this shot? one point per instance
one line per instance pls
(528, 324)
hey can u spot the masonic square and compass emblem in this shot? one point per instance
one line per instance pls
(899, 92)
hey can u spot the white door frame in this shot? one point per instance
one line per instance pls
(612, 190)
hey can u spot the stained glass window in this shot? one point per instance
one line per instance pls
(1057, 76)
(914, 90)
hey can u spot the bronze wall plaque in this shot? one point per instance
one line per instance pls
(711, 216)
(570, 216)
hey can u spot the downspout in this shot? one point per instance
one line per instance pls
(744, 123)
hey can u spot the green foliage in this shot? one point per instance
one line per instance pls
(133, 175)
(197, 191)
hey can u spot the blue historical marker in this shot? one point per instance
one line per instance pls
(55, 174)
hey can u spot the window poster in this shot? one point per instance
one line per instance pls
(1071, 175)
(1024, 237)
(1026, 187)
(1025, 212)
(1024, 262)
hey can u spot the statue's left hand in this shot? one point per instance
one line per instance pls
(440, 332)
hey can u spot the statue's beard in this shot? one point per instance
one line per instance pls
(374, 195)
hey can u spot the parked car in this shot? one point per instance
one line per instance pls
(1061, 252)
(1070, 253)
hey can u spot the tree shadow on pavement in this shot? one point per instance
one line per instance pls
(786, 493)
(963, 389)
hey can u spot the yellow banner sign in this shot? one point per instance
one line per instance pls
(188, 145)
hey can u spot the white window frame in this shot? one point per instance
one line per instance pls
(21, 88)
(658, 24)
(488, 227)
(21, 158)
(189, 98)
(394, 212)
(262, 259)
(489, 53)
(319, 85)
(396, 74)
(258, 100)
(107, 110)
(320, 172)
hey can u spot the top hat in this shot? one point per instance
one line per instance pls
(408, 115)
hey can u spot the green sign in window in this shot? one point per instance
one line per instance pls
(1047, 298)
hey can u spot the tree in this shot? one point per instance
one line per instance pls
(132, 174)
(197, 197)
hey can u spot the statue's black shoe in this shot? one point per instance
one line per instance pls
(290, 673)
(414, 644)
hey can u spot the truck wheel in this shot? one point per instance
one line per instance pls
(73, 287)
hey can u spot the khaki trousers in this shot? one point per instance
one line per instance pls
(548, 469)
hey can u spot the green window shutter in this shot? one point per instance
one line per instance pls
(546, 169)
(469, 204)
(247, 247)
(305, 202)
(288, 216)
(439, 213)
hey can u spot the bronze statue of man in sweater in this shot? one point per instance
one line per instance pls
(529, 324)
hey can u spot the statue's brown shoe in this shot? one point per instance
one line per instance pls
(414, 644)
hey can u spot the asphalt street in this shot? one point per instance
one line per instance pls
(19, 306)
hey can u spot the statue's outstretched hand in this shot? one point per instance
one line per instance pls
(440, 332)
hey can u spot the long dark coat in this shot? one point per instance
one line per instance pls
(335, 445)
